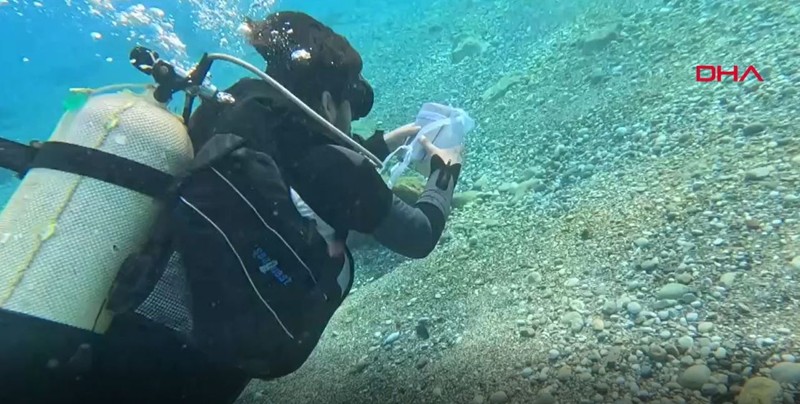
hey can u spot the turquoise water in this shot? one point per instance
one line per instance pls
(626, 233)
(86, 44)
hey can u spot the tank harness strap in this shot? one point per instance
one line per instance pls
(15, 156)
(87, 162)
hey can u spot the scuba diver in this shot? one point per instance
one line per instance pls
(242, 270)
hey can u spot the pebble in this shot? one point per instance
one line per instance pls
(759, 173)
(672, 291)
(705, 327)
(728, 278)
(598, 324)
(762, 342)
(498, 397)
(564, 373)
(478, 399)
(709, 389)
(574, 320)
(694, 377)
(753, 129)
(658, 353)
(786, 372)
(535, 278)
(650, 265)
(553, 354)
(391, 338)
(634, 308)
(544, 398)
(610, 307)
(684, 278)
(759, 390)
(686, 343)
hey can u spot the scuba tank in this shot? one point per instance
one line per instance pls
(88, 198)
(64, 235)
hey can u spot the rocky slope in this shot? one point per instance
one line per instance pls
(634, 236)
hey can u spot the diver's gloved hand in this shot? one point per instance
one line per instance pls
(449, 159)
(436, 200)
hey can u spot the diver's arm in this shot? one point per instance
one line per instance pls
(375, 144)
(414, 231)
(346, 192)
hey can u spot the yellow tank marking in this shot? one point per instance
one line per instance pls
(112, 124)
(48, 231)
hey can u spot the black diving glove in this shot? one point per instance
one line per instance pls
(437, 199)
(445, 175)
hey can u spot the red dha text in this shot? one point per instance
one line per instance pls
(705, 73)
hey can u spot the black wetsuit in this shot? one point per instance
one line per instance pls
(143, 357)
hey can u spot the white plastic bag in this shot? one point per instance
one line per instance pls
(444, 126)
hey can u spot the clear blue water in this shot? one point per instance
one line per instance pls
(631, 226)
(55, 48)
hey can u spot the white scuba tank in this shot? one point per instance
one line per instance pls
(63, 236)
(444, 126)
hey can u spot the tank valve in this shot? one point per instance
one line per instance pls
(172, 79)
